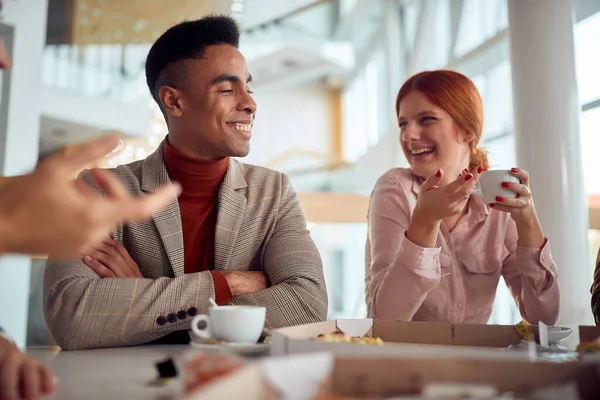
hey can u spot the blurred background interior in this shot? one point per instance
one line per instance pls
(326, 75)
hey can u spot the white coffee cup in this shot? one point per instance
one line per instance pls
(239, 324)
(489, 185)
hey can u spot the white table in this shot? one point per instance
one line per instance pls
(114, 373)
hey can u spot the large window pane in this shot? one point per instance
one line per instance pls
(587, 57)
(590, 143)
(342, 248)
(501, 152)
(480, 20)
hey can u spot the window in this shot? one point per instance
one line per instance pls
(587, 58)
(590, 143)
(479, 21)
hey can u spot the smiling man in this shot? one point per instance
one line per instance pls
(236, 234)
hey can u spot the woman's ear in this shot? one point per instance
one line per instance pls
(468, 137)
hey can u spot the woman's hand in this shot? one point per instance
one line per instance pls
(521, 210)
(438, 202)
(435, 203)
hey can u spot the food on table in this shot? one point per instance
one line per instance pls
(341, 337)
(214, 341)
(525, 331)
(590, 346)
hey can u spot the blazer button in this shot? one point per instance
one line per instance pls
(181, 314)
(172, 318)
(161, 320)
(192, 311)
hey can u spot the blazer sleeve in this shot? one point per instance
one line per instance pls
(85, 311)
(292, 262)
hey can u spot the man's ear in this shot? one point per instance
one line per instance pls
(171, 99)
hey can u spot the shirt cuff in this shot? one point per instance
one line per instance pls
(530, 259)
(223, 293)
(534, 256)
(417, 258)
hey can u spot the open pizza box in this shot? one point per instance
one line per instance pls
(402, 338)
(324, 376)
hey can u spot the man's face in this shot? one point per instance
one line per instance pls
(216, 107)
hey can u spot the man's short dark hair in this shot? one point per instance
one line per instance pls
(186, 41)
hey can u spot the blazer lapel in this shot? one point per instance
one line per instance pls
(232, 205)
(167, 219)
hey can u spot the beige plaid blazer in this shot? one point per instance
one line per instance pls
(260, 227)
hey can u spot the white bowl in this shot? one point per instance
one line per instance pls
(558, 333)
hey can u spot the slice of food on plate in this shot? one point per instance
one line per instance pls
(525, 331)
(340, 337)
(590, 346)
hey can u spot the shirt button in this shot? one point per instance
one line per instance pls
(544, 258)
(460, 305)
(435, 257)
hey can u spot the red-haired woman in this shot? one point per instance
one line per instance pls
(434, 253)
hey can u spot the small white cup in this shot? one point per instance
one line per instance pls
(489, 185)
(234, 324)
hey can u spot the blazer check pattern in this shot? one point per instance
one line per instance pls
(260, 227)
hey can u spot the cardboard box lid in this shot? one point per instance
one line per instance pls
(446, 333)
(410, 332)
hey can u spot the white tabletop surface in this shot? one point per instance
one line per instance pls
(114, 373)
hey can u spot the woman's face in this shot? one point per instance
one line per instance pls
(430, 138)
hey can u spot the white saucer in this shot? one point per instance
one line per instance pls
(244, 349)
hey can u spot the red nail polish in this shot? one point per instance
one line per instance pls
(468, 177)
(479, 170)
(499, 199)
(438, 173)
(505, 184)
(515, 170)
(492, 205)
(465, 170)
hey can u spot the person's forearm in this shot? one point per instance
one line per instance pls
(295, 301)
(533, 280)
(83, 311)
(530, 234)
(5, 235)
(422, 230)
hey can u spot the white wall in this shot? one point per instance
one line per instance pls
(19, 142)
(299, 118)
(107, 114)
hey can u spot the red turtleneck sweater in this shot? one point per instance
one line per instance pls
(200, 181)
